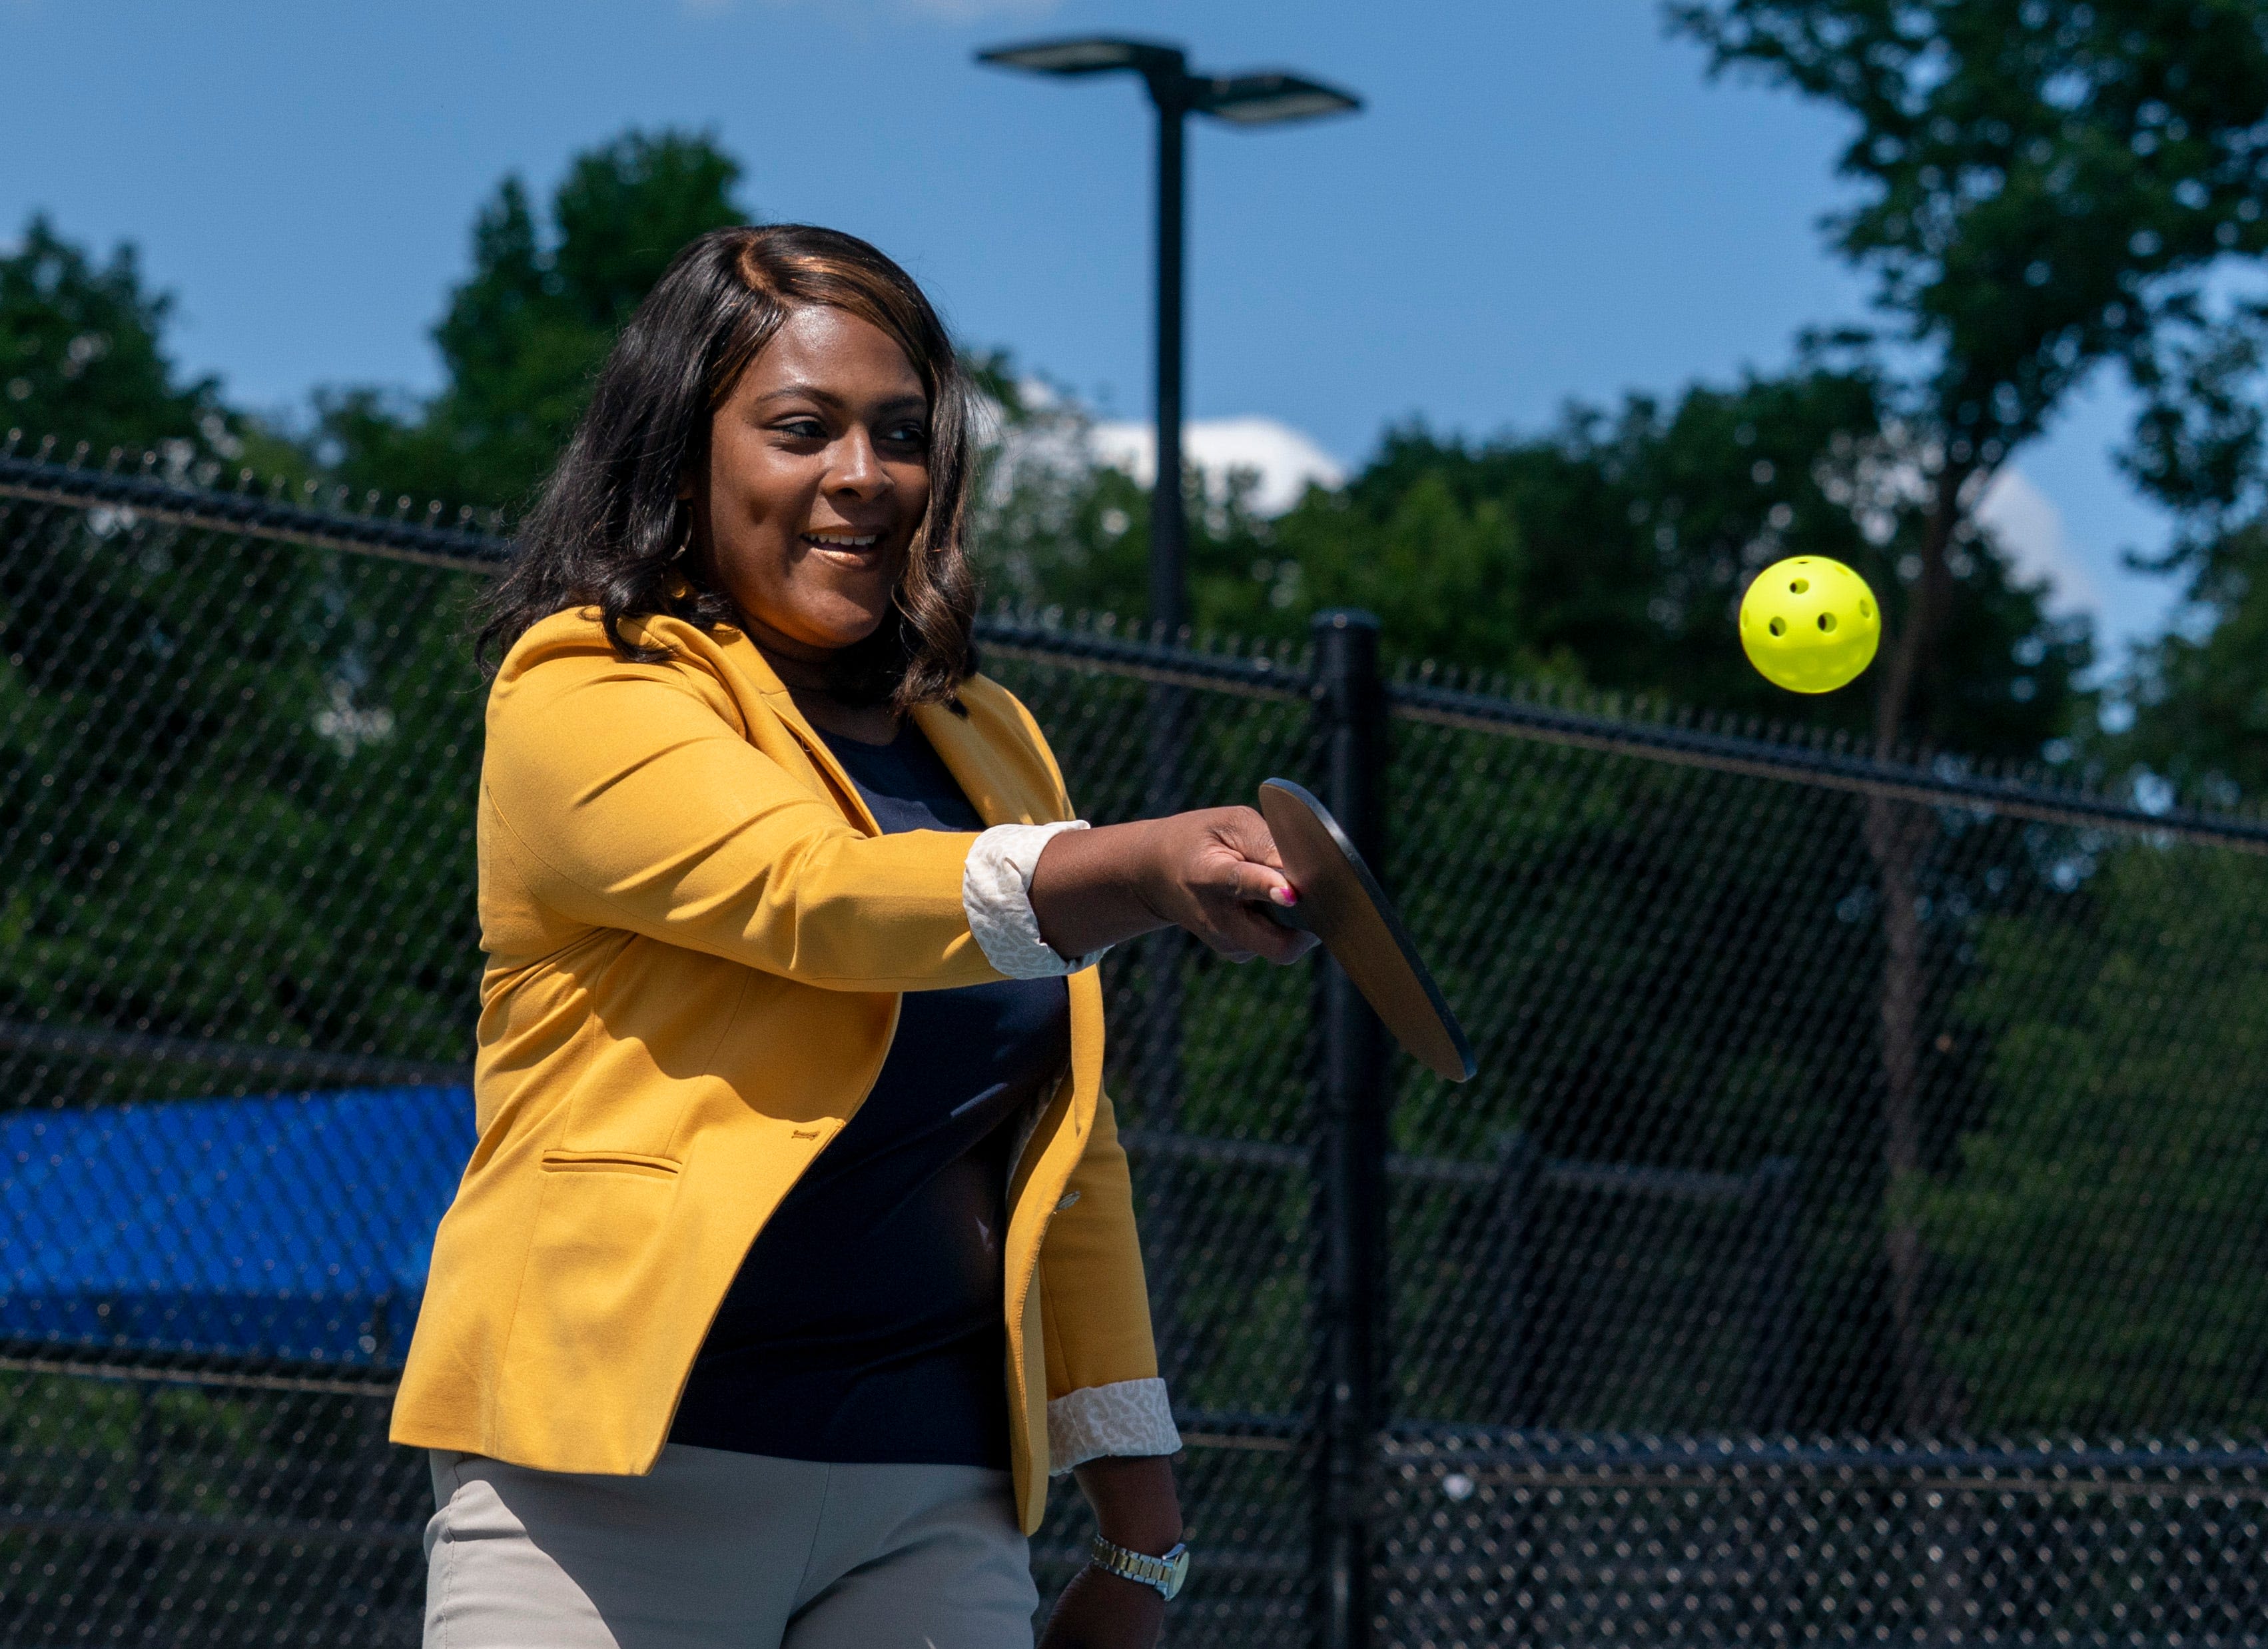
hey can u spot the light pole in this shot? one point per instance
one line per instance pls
(1263, 98)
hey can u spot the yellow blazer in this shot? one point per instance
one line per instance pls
(697, 938)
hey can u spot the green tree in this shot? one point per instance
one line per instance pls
(1625, 541)
(2199, 693)
(2129, 1069)
(2043, 187)
(82, 356)
(1609, 552)
(193, 734)
(524, 334)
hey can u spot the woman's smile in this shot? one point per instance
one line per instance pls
(851, 547)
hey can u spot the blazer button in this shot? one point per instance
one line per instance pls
(1069, 1197)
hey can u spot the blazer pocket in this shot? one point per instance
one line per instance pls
(609, 1162)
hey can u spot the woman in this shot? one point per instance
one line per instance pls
(798, 1249)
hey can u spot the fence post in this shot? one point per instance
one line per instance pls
(1351, 1167)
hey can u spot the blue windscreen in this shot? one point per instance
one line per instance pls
(294, 1226)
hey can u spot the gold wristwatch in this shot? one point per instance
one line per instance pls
(1166, 1573)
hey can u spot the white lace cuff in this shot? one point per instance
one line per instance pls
(1127, 1417)
(996, 890)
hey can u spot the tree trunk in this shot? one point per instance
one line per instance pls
(1897, 834)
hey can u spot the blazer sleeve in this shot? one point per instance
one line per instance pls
(631, 799)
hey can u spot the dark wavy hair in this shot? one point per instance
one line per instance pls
(606, 530)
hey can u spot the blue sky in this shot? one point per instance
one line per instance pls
(1542, 201)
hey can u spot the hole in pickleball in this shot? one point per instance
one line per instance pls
(1779, 626)
(1865, 608)
(1799, 585)
(1827, 621)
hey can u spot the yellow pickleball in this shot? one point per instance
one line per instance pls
(1809, 624)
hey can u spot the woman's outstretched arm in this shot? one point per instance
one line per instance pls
(1208, 871)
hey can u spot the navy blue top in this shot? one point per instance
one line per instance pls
(868, 1322)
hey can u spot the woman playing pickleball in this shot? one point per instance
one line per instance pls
(798, 1249)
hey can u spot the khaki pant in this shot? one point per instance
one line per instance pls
(714, 1549)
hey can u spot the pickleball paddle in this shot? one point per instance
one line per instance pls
(1342, 904)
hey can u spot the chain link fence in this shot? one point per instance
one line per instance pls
(1857, 1229)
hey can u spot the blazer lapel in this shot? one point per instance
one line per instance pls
(765, 681)
(989, 783)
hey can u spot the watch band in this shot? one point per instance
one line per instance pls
(1166, 1573)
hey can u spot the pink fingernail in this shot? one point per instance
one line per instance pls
(1285, 896)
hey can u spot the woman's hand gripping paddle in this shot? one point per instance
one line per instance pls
(1342, 904)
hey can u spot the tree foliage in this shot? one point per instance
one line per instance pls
(524, 334)
(83, 356)
(2041, 187)
(2103, 1234)
(2201, 709)
(2043, 184)
(2198, 693)
(1610, 552)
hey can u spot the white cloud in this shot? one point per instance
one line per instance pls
(1283, 459)
(2026, 524)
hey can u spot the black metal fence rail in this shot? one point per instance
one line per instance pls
(253, 513)
(1730, 1301)
(2184, 1466)
(1941, 780)
(312, 1067)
